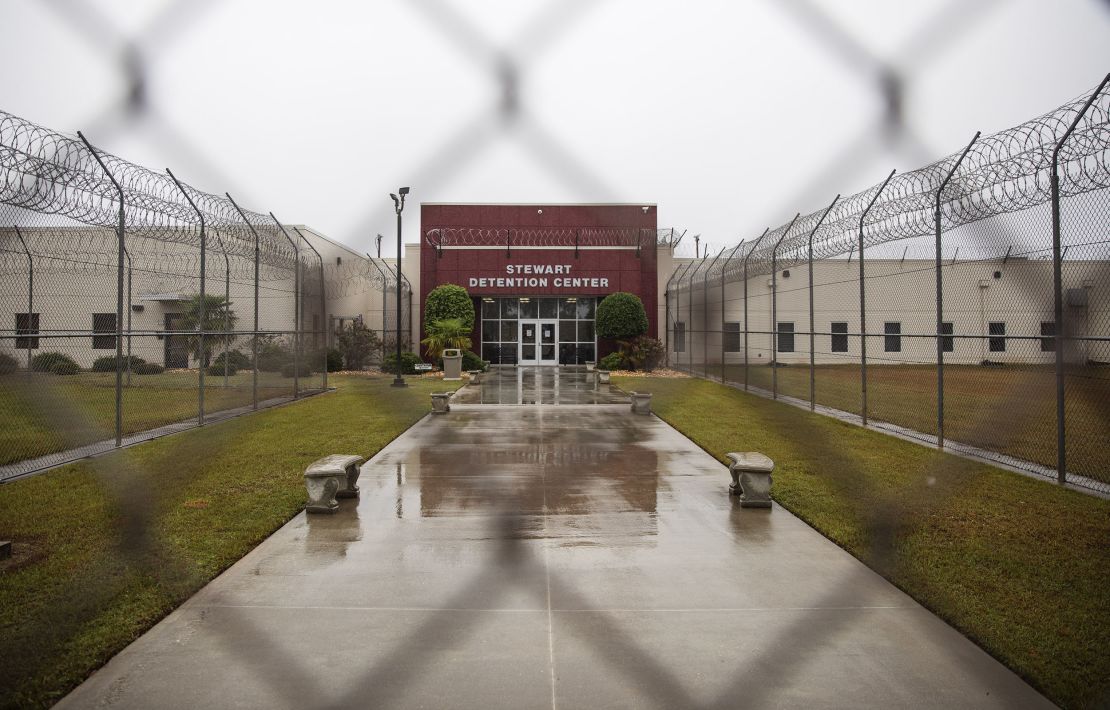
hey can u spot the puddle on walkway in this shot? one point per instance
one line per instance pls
(539, 385)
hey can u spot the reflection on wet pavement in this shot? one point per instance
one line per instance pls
(562, 557)
(539, 385)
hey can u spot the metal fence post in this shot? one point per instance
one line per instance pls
(705, 312)
(129, 270)
(119, 289)
(254, 339)
(746, 332)
(940, 294)
(863, 303)
(731, 254)
(812, 326)
(296, 307)
(323, 302)
(227, 304)
(774, 310)
(30, 294)
(201, 350)
(1058, 287)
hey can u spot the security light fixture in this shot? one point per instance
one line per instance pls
(404, 191)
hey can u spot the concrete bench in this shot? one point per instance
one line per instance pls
(331, 477)
(441, 402)
(475, 376)
(641, 402)
(751, 478)
(603, 377)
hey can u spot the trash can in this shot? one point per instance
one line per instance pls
(452, 364)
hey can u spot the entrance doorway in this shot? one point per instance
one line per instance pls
(177, 349)
(537, 342)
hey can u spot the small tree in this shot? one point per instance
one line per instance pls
(218, 319)
(449, 301)
(357, 343)
(621, 316)
(447, 333)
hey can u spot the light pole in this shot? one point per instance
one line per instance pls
(399, 206)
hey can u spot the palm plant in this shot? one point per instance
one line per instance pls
(219, 322)
(446, 333)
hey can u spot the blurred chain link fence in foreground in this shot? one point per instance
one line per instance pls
(939, 303)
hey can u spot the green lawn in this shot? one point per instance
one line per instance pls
(45, 413)
(1009, 409)
(1020, 566)
(107, 547)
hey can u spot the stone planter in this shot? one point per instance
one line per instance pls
(751, 478)
(591, 366)
(475, 376)
(331, 477)
(641, 402)
(441, 402)
(603, 377)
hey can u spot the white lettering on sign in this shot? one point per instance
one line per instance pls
(539, 269)
(533, 282)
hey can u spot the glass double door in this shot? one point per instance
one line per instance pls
(537, 342)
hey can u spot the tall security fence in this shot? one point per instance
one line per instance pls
(965, 303)
(134, 304)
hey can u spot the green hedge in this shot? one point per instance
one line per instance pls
(621, 316)
(449, 301)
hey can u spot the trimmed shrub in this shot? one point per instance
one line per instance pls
(273, 356)
(303, 369)
(621, 316)
(612, 361)
(408, 361)
(642, 353)
(147, 368)
(50, 362)
(449, 301)
(108, 363)
(8, 364)
(217, 369)
(235, 358)
(471, 361)
(334, 360)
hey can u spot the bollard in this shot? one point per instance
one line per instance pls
(641, 402)
(441, 402)
(751, 478)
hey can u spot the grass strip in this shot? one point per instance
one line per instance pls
(107, 547)
(1020, 566)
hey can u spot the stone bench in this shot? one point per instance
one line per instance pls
(641, 402)
(441, 402)
(475, 376)
(331, 477)
(603, 377)
(751, 478)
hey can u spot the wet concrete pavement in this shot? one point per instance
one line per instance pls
(539, 385)
(550, 556)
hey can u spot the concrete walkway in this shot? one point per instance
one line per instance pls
(563, 557)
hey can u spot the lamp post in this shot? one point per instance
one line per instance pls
(399, 206)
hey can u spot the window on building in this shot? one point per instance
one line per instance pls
(839, 331)
(732, 337)
(892, 342)
(104, 323)
(786, 337)
(1048, 336)
(997, 343)
(26, 324)
(946, 340)
(679, 337)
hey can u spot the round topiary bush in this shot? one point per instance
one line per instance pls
(612, 361)
(108, 363)
(621, 316)
(449, 301)
(52, 362)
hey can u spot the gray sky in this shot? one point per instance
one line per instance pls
(730, 115)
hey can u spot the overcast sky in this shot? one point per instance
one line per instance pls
(731, 116)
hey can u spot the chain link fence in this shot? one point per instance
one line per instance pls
(944, 304)
(136, 305)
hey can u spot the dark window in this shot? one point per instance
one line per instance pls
(510, 307)
(489, 308)
(892, 343)
(104, 323)
(1048, 340)
(839, 337)
(732, 337)
(946, 340)
(786, 338)
(568, 307)
(997, 344)
(680, 337)
(26, 324)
